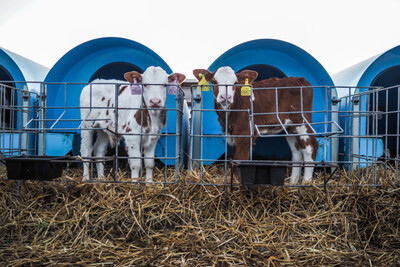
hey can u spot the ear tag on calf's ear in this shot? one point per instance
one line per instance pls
(203, 84)
(173, 89)
(246, 89)
(135, 88)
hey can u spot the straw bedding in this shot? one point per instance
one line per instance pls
(189, 225)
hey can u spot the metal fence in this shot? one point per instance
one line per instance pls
(350, 130)
(18, 109)
(47, 124)
(357, 131)
(369, 146)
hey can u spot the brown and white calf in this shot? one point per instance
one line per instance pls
(98, 115)
(228, 97)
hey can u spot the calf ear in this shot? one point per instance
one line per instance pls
(177, 78)
(246, 74)
(129, 76)
(209, 76)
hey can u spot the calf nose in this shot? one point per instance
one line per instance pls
(155, 101)
(223, 98)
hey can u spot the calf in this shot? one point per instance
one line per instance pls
(131, 120)
(228, 97)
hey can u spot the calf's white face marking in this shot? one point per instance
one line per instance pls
(154, 81)
(225, 75)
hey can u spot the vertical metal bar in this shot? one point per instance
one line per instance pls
(201, 135)
(19, 129)
(12, 126)
(334, 138)
(42, 107)
(25, 117)
(191, 130)
(397, 136)
(354, 129)
(178, 136)
(141, 134)
(385, 147)
(363, 117)
(326, 136)
(166, 136)
(226, 133)
(196, 126)
(116, 91)
(251, 122)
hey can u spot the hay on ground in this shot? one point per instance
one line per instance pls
(188, 225)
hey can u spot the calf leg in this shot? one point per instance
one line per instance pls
(86, 151)
(309, 147)
(296, 156)
(100, 149)
(135, 163)
(149, 160)
(307, 156)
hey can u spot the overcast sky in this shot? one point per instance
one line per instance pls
(192, 34)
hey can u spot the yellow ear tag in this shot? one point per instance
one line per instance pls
(203, 84)
(246, 89)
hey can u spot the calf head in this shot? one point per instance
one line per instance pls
(154, 82)
(223, 81)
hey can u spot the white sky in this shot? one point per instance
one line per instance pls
(192, 34)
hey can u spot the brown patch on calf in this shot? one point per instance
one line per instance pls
(138, 116)
(289, 99)
(108, 103)
(129, 76)
(146, 116)
(103, 98)
(107, 112)
(128, 130)
(310, 141)
(123, 126)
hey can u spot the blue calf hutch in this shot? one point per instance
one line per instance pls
(382, 105)
(105, 58)
(21, 77)
(270, 58)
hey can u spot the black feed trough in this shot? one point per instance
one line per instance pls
(44, 168)
(260, 173)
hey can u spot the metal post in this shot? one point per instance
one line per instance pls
(25, 117)
(116, 131)
(42, 120)
(355, 126)
(334, 117)
(197, 125)
(178, 138)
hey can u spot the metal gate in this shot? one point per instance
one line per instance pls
(45, 128)
(370, 144)
(271, 150)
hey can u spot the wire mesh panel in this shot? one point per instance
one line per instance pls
(116, 124)
(369, 145)
(272, 130)
(18, 109)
